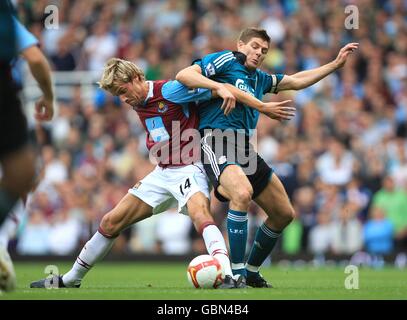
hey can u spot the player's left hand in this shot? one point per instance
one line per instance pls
(344, 53)
(44, 109)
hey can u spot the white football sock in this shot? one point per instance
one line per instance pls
(93, 251)
(215, 244)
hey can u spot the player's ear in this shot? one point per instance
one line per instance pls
(138, 78)
(134, 80)
(240, 44)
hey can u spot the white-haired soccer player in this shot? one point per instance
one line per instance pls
(168, 115)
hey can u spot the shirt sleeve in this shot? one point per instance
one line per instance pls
(270, 81)
(215, 63)
(24, 38)
(176, 92)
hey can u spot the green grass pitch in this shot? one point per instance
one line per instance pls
(168, 281)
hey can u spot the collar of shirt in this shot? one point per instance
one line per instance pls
(241, 58)
(150, 93)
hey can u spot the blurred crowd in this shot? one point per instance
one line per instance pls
(343, 158)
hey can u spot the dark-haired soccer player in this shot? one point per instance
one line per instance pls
(233, 180)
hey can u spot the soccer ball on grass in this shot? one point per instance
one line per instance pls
(205, 271)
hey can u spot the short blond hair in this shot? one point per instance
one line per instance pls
(118, 72)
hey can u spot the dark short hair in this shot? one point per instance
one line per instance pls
(247, 34)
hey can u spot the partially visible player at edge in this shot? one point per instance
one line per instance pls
(240, 68)
(16, 155)
(159, 104)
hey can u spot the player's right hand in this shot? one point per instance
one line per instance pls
(44, 109)
(229, 100)
(278, 110)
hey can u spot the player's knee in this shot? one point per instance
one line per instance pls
(242, 196)
(27, 180)
(21, 180)
(288, 216)
(108, 226)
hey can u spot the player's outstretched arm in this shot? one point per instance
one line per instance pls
(40, 69)
(193, 78)
(307, 78)
(275, 110)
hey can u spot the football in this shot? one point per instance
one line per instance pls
(205, 271)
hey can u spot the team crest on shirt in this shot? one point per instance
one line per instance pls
(162, 107)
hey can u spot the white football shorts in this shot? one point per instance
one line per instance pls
(163, 188)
